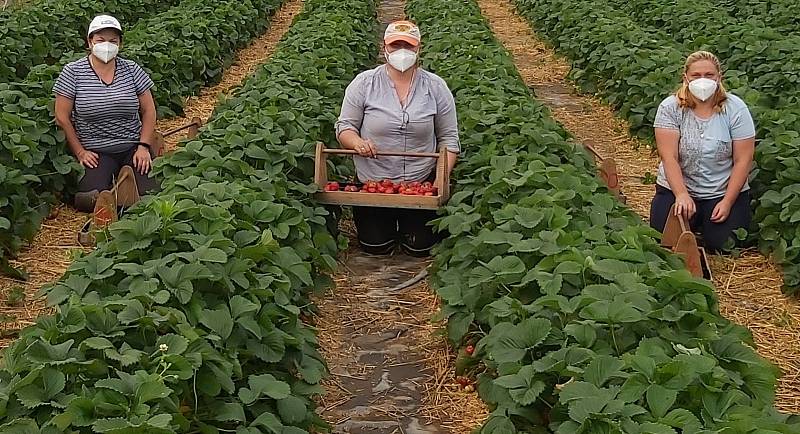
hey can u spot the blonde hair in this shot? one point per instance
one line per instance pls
(685, 97)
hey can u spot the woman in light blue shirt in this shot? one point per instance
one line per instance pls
(706, 140)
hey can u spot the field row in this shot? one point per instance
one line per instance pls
(36, 167)
(580, 321)
(187, 318)
(634, 68)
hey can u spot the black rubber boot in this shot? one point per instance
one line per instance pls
(84, 200)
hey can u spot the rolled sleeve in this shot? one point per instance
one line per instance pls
(446, 119)
(65, 83)
(742, 125)
(352, 114)
(141, 81)
(668, 115)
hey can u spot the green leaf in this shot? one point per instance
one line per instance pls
(51, 382)
(265, 385)
(230, 411)
(498, 425)
(269, 421)
(660, 399)
(176, 344)
(603, 368)
(96, 343)
(150, 387)
(656, 428)
(218, 320)
(82, 411)
(583, 333)
(292, 410)
(523, 387)
(509, 343)
(126, 355)
(241, 306)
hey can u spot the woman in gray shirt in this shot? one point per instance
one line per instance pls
(706, 139)
(104, 106)
(397, 107)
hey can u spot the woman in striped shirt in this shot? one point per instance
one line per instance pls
(104, 106)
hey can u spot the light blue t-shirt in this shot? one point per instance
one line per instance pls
(705, 151)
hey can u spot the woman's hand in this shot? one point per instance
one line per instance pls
(88, 159)
(684, 205)
(721, 211)
(366, 148)
(141, 159)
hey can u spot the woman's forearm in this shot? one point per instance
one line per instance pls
(71, 135)
(739, 174)
(349, 139)
(452, 157)
(148, 127)
(674, 177)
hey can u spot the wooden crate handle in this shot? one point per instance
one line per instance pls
(320, 165)
(191, 126)
(442, 174)
(672, 229)
(593, 150)
(384, 153)
(687, 247)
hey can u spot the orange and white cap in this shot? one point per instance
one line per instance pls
(402, 31)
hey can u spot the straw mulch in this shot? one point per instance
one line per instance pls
(345, 316)
(748, 286)
(50, 253)
(247, 61)
(749, 290)
(45, 261)
(444, 400)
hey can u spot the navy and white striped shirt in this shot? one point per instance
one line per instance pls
(105, 116)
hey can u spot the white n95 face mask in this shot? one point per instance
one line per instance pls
(703, 88)
(105, 51)
(401, 59)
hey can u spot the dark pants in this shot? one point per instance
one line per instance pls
(102, 177)
(714, 235)
(379, 229)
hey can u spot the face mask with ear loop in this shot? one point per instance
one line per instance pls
(703, 88)
(401, 59)
(105, 51)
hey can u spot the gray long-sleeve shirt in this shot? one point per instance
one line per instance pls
(372, 109)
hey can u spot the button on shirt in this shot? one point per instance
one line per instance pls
(105, 116)
(372, 109)
(705, 149)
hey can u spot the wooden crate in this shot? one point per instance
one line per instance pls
(380, 199)
(679, 238)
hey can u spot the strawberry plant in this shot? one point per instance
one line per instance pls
(635, 68)
(187, 316)
(41, 33)
(583, 323)
(777, 14)
(211, 32)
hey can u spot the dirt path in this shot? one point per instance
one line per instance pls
(391, 370)
(748, 286)
(51, 251)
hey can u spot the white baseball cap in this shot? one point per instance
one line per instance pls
(101, 22)
(402, 31)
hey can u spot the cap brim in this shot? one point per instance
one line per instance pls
(104, 28)
(395, 38)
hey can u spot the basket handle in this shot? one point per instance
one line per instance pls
(385, 153)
